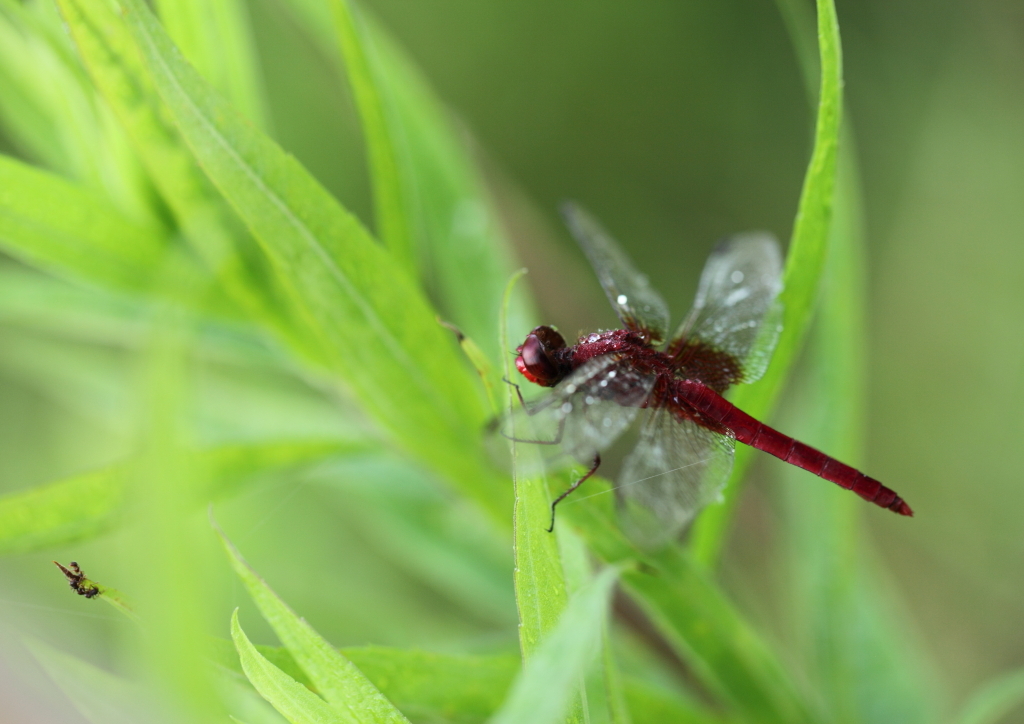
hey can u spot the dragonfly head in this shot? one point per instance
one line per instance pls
(537, 360)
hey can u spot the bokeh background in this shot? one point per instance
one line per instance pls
(675, 123)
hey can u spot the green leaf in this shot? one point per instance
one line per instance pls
(539, 578)
(801, 279)
(377, 330)
(991, 703)
(53, 113)
(351, 695)
(426, 685)
(393, 214)
(88, 239)
(545, 690)
(424, 176)
(217, 39)
(85, 506)
(109, 53)
(696, 619)
(295, 702)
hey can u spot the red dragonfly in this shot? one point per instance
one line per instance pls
(688, 430)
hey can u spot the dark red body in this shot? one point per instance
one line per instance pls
(690, 380)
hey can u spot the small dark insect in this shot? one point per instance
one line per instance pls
(688, 429)
(77, 580)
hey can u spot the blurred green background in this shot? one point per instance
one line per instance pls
(675, 123)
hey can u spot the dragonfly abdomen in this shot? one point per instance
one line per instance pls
(752, 432)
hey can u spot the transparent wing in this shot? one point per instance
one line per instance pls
(675, 470)
(587, 411)
(639, 307)
(736, 311)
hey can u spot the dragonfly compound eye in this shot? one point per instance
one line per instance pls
(535, 361)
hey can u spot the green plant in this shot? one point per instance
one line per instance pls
(192, 249)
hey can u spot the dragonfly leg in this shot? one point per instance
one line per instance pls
(558, 436)
(519, 392)
(593, 469)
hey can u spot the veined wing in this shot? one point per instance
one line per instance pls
(676, 469)
(587, 411)
(736, 311)
(639, 307)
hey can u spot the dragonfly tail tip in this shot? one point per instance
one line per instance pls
(901, 507)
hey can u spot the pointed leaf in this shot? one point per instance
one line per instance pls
(295, 702)
(426, 685)
(351, 695)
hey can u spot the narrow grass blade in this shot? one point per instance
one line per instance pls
(697, 620)
(860, 656)
(217, 39)
(293, 700)
(545, 690)
(421, 161)
(89, 505)
(65, 229)
(539, 578)
(377, 330)
(804, 263)
(991, 703)
(393, 214)
(352, 697)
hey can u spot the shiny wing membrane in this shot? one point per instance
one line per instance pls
(736, 310)
(675, 470)
(587, 411)
(639, 307)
